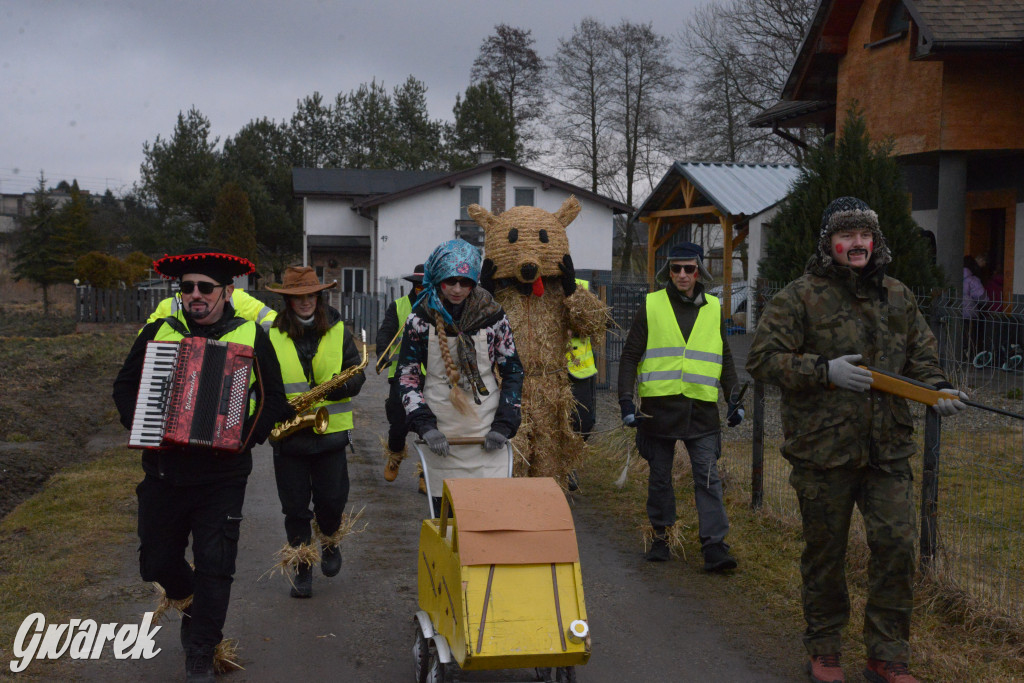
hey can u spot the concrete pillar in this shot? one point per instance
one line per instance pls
(949, 238)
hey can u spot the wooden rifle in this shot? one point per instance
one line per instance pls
(898, 385)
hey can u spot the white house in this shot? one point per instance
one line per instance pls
(367, 228)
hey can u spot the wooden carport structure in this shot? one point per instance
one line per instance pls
(723, 194)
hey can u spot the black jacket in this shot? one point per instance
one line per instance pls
(191, 466)
(390, 325)
(673, 417)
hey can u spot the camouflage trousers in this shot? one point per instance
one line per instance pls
(827, 498)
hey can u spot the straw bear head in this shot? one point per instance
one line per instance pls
(526, 242)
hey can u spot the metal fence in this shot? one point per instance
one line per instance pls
(971, 470)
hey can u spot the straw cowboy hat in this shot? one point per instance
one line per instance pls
(300, 280)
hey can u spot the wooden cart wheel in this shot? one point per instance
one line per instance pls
(565, 674)
(543, 674)
(421, 655)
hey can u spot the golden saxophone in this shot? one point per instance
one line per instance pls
(319, 418)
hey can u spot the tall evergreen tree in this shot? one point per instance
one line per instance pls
(74, 237)
(856, 167)
(481, 124)
(369, 124)
(233, 229)
(416, 144)
(38, 256)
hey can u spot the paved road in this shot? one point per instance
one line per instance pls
(647, 623)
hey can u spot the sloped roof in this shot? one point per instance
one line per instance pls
(451, 179)
(996, 24)
(355, 182)
(735, 189)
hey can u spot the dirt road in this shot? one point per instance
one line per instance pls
(647, 623)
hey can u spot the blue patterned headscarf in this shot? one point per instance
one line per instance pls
(454, 258)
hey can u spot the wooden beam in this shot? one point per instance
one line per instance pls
(660, 241)
(707, 210)
(652, 233)
(726, 223)
(741, 236)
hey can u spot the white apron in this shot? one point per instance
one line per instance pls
(470, 461)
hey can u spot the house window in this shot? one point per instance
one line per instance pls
(471, 232)
(524, 196)
(319, 273)
(353, 280)
(467, 196)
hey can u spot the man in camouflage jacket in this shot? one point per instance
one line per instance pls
(848, 445)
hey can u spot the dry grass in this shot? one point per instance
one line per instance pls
(953, 637)
(348, 526)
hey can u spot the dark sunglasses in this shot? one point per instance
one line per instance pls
(688, 267)
(189, 286)
(461, 281)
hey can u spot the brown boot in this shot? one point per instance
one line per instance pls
(423, 481)
(825, 669)
(393, 461)
(881, 671)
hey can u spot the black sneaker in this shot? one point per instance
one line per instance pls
(330, 559)
(572, 482)
(658, 551)
(199, 665)
(718, 559)
(186, 626)
(302, 582)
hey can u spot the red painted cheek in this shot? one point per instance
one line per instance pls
(871, 245)
(839, 248)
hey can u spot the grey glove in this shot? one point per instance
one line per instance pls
(947, 407)
(437, 442)
(844, 373)
(494, 440)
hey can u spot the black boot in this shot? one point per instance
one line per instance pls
(659, 551)
(199, 665)
(330, 559)
(302, 582)
(718, 559)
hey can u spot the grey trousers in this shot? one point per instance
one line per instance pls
(713, 524)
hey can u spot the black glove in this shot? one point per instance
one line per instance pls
(568, 275)
(735, 413)
(494, 440)
(487, 271)
(629, 415)
(437, 442)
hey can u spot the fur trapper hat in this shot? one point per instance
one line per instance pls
(850, 213)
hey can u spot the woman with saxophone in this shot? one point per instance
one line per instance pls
(313, 347)
(463, 338)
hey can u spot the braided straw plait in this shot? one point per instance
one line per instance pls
(458, 396)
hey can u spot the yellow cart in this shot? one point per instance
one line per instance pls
(499, 583)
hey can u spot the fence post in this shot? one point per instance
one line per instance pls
(757, 450)
(930, 487)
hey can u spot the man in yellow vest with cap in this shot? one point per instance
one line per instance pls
(393, 322)
(677, 356)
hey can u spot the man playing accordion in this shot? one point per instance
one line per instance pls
(192, 489)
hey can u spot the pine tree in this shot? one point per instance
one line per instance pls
(233, 229)
(38, 256)
(853, 167)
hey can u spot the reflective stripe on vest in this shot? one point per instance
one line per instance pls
(326, 364)
(243, 334)
(672, 365)
(581, 353)
(403, 307)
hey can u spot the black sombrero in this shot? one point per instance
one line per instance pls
(220, 266)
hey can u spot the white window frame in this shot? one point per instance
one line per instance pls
(349, 276)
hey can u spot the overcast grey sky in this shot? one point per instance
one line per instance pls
(84, 84)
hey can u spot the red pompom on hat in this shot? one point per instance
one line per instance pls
(217, 265)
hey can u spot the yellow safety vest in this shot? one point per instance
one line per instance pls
(581, 355)
(403, 307)
(243, 334)
(245, 305)
(672, 365)
(326, 364)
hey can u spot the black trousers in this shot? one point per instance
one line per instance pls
(398, 427)
(322, 478)
(212, 514)
(584, 391)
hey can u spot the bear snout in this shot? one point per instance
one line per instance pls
(528, 272)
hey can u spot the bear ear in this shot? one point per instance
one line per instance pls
(567, 213)
(484, 218)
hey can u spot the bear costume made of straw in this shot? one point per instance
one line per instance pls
(529, 266)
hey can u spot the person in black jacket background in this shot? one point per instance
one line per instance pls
(195, 491)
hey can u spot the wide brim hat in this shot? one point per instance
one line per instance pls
(220, 266)
(300, 280)
(416, 277)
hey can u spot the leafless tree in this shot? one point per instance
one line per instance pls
(507, 59)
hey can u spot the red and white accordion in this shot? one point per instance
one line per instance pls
(192, 393)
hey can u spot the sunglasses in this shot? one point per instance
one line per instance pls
(460, 281)
(189, 286)
(690, 268)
